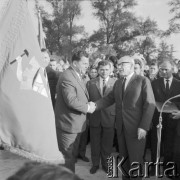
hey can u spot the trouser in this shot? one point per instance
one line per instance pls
(68, 144)
(83, 142)
(101, 139)
(131, 149)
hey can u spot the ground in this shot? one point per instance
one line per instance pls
(10, 163)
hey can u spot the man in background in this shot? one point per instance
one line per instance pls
(53, 76)
(153, 71)
(164, 88)
(101, 122)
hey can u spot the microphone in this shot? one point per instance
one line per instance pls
(159, 127)
(25, 53)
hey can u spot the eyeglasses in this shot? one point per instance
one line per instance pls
(123, 64)
(161, 69)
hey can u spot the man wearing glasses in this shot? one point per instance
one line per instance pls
(134, 101)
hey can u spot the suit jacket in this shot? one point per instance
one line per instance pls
(105, 117)
(136, 109)
(53, 77)
(71, 103)
(160, 92)
(161, 96)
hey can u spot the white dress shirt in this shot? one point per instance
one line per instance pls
(128, 79)
(170, 81)
(101, 83)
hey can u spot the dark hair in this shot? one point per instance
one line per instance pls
(113, 59)
(44, 50)
(104, 63)
(42, 171)
(52, 60)
(77, 55)
(137, 61)
(153, 64)
(92, 67)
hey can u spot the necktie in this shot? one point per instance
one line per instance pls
(123, 87)
(104, 86)
(167, 86)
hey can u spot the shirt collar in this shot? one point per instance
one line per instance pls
(106, 80)
(129, 76)
(170, 79)
(76, 71)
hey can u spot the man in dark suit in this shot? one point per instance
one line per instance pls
(134, 101)
(176, 147)
(71, 108)
(101, 122)
(164, 88)
(53, 76)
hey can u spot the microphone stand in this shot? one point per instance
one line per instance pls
(159, 131)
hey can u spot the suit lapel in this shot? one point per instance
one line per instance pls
(98, 86)
(173, 86)
(80, 81)
(133, 78)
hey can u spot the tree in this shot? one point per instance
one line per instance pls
(165, 51)
(145, 43)
(60, 27)
(115, 20)
(174, 22)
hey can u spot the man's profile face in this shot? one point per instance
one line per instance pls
(124, 68)
(45, 58)
(53, 65)
(137, 69)
(104, 71)
(82, 65)
(166, 70)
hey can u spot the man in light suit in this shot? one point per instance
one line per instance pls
(135, 104)
(71, 108)
(101, 122)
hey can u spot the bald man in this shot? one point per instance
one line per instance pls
(135, 104)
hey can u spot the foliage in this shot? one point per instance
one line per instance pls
(174, 22)
(60, 28)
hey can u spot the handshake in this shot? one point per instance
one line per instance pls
(91, 107)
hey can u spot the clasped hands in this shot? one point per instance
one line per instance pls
(92, 107)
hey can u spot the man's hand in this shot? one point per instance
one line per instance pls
(176, 114)
(91, 107)
(141, 133)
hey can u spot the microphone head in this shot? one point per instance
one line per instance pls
(26, 52)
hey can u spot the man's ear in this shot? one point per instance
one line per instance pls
(74, 63)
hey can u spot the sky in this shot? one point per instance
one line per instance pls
(157, 10)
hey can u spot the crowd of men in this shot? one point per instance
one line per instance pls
(115, 100)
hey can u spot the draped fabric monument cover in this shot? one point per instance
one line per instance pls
(27, 123)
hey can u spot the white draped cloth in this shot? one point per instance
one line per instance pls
(27, 122)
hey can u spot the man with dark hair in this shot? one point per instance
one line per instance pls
(134, 104)
(46, 58)
(53, 76)
(71, 108)
(153, 71)
(101, 122)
